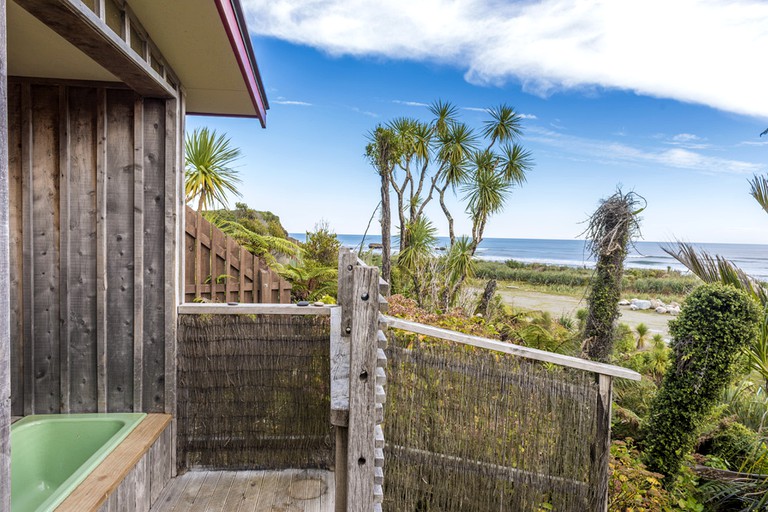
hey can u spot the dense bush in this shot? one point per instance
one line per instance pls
(632, 486)
(322, 245)
(739, 447)
(716, 322)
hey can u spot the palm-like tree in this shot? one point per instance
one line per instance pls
(642, 332)
(209, 174)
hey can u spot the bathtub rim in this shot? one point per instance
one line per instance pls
(70, 485)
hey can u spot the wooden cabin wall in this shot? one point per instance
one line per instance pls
(92, 174)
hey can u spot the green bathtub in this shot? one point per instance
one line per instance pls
(52, 453)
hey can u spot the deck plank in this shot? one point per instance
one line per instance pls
(294, 490)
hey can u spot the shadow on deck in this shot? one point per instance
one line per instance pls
(293, 490)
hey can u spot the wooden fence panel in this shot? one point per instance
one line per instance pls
(217, 269)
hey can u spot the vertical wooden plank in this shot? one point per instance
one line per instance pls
(601, 450)
(16, 234)
(82, 250)
(101, 249)
(138, 249)
(155, 288)
(45, 248)
(228, 270)
(362, 383)
(160, 464)
(266, 286)
(120, 249)
(347, 264)
(27, 245)
(257, 296)
(64, 260)
(241, 270)
(5, 307)
(174, 256)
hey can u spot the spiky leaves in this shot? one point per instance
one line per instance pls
(610, 229)
(209, 174)
(505, 125)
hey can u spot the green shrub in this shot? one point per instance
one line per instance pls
(322, 245)
(632, 486)
(716, 322)
(739, 447)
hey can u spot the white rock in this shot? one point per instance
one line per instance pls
(674, 311)
(643, 304)
(656, 303)
(624, 302)
(661, 310)
(634, 307)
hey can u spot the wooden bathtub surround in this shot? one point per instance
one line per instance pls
(133, 476)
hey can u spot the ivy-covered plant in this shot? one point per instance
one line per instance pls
(632, 486)
(716, 322)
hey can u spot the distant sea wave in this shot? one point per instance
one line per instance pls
(751, 258)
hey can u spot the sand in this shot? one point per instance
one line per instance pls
(561, 304)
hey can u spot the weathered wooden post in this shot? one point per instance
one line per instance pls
(601, 447)
(341, 332)
(361, 450)
(5, 312)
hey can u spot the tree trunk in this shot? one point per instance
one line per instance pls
(603, 301)
(386, 224)
(448, 215)
(485, 300)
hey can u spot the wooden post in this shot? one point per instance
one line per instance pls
(5, 292)
(601, 449)
(347, 263)
(361, 451)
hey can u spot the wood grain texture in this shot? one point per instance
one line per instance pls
(253, 309)
(154, 265)
(27, 248)
(339, 372)
(110, 474)
(294, 490)
(347, 264)
(45, 249)
(138, 252)
(16, 247)
(65, 175)
(81, 246)
(362, 382)
(120, 250)
(101, 250)
(601, 450)
(5, 291)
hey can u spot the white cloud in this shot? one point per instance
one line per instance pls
(619, 153)
(685, 137)
(701, 51)
(528, 116)
(410, 103)
(292, 102)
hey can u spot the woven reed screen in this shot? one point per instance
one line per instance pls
(254, 392)
(472, 430)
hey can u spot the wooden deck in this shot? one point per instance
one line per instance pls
(291, 490)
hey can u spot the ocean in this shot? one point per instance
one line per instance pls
(751, 258)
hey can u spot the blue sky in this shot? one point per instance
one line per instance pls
(612, 96)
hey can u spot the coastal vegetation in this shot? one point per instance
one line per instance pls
(418, 161)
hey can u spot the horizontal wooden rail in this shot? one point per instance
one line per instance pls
(510, 348)
(253, 309)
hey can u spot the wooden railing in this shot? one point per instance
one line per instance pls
(358, 383)
(217, 269)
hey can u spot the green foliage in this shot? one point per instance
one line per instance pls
(648, 283)
(310, 280)
(322, 245)
(739, 447)
(748, 404)
(632, 485)
(715, 323)
(208, 172)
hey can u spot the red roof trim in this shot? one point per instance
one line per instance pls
(238, 38)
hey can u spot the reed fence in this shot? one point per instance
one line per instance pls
(217, 269)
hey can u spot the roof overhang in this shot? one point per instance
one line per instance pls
(204, 42)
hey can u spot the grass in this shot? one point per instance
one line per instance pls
(561, 280)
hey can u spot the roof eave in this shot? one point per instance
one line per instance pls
(231, 14)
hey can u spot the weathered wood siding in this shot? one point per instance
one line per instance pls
(5, 332)
(89, 167)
